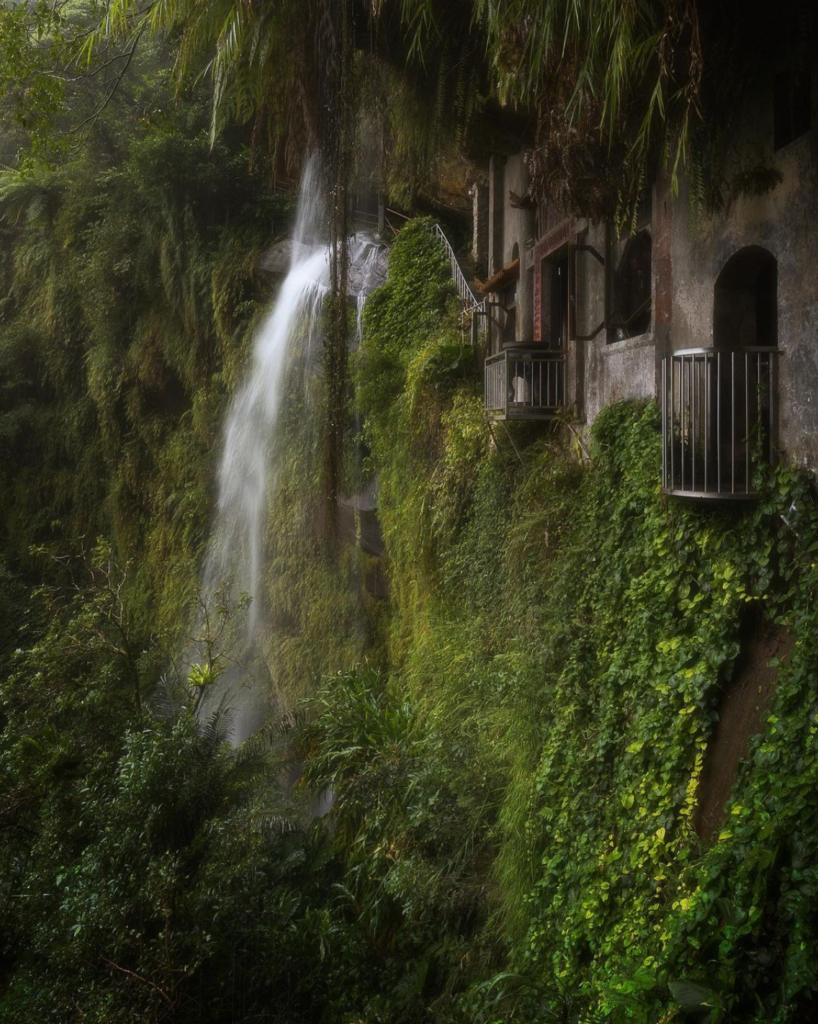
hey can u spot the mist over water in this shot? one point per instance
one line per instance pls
(235, 559)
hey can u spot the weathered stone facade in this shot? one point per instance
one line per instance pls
(775, 235)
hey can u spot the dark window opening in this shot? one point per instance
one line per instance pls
(745, 308)
(559, 303)
(555, 300)
(735, 394)
(629, 312)
(792, 106)
(509, 305)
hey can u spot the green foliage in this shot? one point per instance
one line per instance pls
(575, 630)
(130, 292)
(514, 781)
(55, 98)
(124, 897)
(321, 617)
(408, 836)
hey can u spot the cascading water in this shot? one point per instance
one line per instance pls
(234, 553)
(235, 558)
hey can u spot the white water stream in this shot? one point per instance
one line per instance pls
(234, 564)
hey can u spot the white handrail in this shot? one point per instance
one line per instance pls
(461, 284)
(472, 306)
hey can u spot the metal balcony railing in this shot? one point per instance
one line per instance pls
(718, 419)
(525, 382)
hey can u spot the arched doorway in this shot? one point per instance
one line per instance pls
(745, 307)
(719, 405)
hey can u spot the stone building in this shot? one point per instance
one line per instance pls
(714, 317)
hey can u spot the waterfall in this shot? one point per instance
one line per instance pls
(234, 553)
(234, 563)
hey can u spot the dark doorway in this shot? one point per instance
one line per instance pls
(745, 310)
(792, 106)
(629, 314)
(555, 300)
(559, 303)
(745, 320)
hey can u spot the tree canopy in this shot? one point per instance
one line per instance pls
(607, 95)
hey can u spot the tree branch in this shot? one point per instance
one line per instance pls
(92, 118)
(139, 977)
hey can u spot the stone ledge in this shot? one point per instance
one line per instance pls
(611, 348)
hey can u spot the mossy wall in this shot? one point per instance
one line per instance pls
(561, 634)
(129, 291)
(516, 772)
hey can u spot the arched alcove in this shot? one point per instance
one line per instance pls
(719, 402)
(745, 309)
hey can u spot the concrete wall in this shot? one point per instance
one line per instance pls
(688, 253)
(480, 236)
(785, 222)
(510, 227)
(599, 371)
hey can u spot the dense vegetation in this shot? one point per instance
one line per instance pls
(606, 95)
(128, 285)
(511, 746)
(511, 836)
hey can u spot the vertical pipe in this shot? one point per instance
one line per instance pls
(539, 373)
(694, 380)
(773, 383)
(706, 414)
(759, 424)
(718, 422)
(664, 422)
(747, 422)
(672, 418)
(683, 414)
(733, 422)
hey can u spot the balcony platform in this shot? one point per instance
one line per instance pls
(718, 420)
(525, 382)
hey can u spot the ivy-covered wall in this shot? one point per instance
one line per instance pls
(564, 635)
(514, 743)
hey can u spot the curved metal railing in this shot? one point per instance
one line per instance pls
(718, 420)
(473, 307)
(462, 285)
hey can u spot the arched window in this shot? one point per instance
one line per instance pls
(745, 310)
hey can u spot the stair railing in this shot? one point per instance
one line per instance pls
(473, 308)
